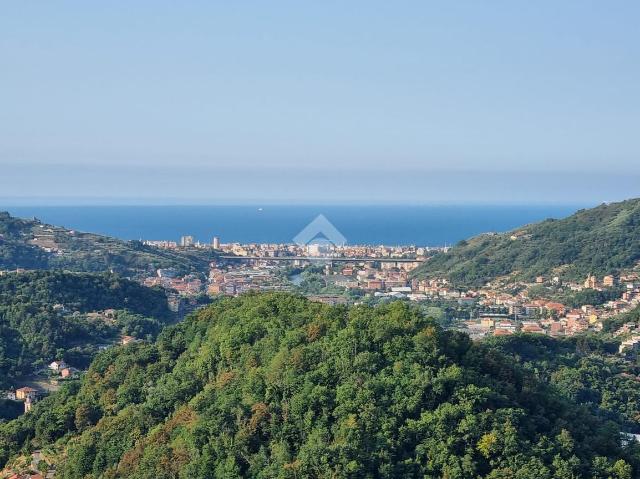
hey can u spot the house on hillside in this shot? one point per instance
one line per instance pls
(557, 309)
(628, 345)
(57, 366)
(502, 332)
(532, 328)
(67, 373)
(26, 392)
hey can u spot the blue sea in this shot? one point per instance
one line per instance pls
(390, 225)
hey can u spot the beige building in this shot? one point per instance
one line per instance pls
(590, 282)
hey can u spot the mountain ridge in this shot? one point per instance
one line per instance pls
(601, 240)
(31, 244)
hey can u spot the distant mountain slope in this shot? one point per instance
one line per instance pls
(600, 240)
(31, 244)
(274, 386)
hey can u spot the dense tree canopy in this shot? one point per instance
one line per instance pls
(272, 385)
(585, 369)
(42, 317)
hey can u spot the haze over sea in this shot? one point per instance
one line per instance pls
(392, 225)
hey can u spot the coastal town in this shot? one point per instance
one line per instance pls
(341, 274)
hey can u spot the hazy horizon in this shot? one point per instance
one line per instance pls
(366, 102)
(89, 202)
(144, 185)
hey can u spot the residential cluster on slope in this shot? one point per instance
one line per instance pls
(544, 316)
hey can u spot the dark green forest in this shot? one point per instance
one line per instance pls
(602, 240)
(42, 317)
(585, 369)
(272, 385)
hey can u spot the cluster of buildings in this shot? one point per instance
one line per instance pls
(314, 249)
(384, 272)
(168, 278)
(259, 267)
(62, 370)
(186, 241)
(181, 290)
(241, 278)
(29, 395)
(327, 250)
(542, 316)
(631, 344)
(552, 319)
(234, 277)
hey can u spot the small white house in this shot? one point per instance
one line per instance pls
(57, 365)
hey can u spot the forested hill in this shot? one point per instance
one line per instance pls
(81, 292)
(42, 317)
(31, 244)
(271, 385)
(601, 240)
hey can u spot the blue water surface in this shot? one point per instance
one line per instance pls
(390, 225)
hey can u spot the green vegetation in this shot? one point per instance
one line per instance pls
(602, 240)
(30, 244)
(10, 409)
(272, 385)
(632, 316)
(42, 317)
(314, 281)
(585, 369)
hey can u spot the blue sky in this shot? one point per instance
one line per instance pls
(466, 101)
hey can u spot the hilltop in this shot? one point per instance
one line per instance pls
(272, 385)
(601, 240)
(31, 244)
